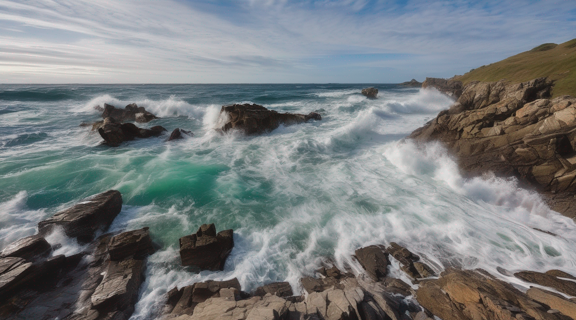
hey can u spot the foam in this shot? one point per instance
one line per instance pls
(16, 220)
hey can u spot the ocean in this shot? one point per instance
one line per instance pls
(295, 197)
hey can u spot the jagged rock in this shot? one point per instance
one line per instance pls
(371, 93)
(551, 280)
(513, 130)
(466, 294)
(281, 289)
(452, 88)
(183, 301)
(136, 244)
(130, 113)
(179, 134)
(28, 248)
(14, 272)
(554, 301)
(115, 133)
(206, 249)
(85, 218)
(410, 262)
(374, 260)
(255, 119)
(411, 83)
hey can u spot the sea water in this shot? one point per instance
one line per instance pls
(296, 197)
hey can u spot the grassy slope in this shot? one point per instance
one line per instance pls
(557, 62)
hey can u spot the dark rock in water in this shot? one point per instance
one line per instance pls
(550, 279)
(206, 249)
(135, 244)
(115, 133)
(179, 134)
(255, 119)
(410, 262)
(412, 83)
(374, 260)
(467, 294)
(14, 272)
(99, 108)
(28, 248)
(131, 113)
(370, 92)
(85, 218)
(118, 291)
(452, 88)
(281, 289)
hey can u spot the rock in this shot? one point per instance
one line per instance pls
(548, 280)
(554, 301)
(183, 301)
(410, 262)
(206, 249)
(179, 134)
(85, 218)
(412, 83)
(371, 93)
(255, 119)
(281, 289)
(374, 260)
(452, 88)
(28, 248)
(115, 133)
(130, 113)
(136, 244)
(118, 290)
(14, 273)
(467, 294)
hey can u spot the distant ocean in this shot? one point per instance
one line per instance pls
(294, 197)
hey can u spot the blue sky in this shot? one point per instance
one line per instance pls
(248, 41)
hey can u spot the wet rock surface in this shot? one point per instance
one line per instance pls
(131, 112)
(28, 248)
(205, 249)
(371, 93)
(513, 130)
(178, 134)
(255, 119)
(114, 133)
(83, 220)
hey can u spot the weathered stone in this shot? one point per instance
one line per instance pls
(371, 93)
(548, 280)
(130, 113)
(28, 248)
(205, 249)
(14, 274)
(118, 290)
(178, 134)
(85, 218)
(554, 301)
(452, 88)
(281, 289)
(136, 244)
(374, 260)
(115, 133)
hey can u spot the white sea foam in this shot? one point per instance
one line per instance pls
(16, 220)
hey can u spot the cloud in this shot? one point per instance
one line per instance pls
(267, 40)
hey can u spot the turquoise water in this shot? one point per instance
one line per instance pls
(295, 197)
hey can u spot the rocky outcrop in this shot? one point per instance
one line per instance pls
(513, 130)
(410, 262)
(135, 244)
(281, 289)
(115, 133)
(555, 279)
(371, 93)
(255, 119)
(85, 218)
(412, 83)
(130, 113)
(467, 294)
(28, 248)
(178, 134)
(374, 260)
(205, 249)
(450, 87)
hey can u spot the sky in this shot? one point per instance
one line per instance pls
(268, 41)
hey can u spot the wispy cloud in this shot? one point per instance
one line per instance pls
(267, 40)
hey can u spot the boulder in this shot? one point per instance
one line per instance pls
(450, 87)
(85, 218)
(412, 83)
(115, 133)
(183, 301)
(130, 113)
(179, 134)
(205, 249)
(371, 93)
(136, 244)
(255, 119)
(374, 260)
(28, 248)
(281, 289)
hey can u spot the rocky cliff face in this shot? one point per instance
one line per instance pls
(513, 130)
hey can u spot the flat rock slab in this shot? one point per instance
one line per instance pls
(374, 260)
(118, 291)
(28, 248)
(136, 244)
(550, 280)
(281, 289)
(13, 273)
(85, 218)
(206, 249)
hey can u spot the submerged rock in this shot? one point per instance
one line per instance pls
(115, 133)
(85, 218)
(206, 249)
(179, 134)
(450, 87)
(130, 113)
(255, 119)
(370, 92)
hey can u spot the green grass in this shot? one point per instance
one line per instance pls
(557, 62)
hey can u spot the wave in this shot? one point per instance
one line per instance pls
(38, 94)
(336, 93)
(25, 139)
(16, 220)
(424, 102)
